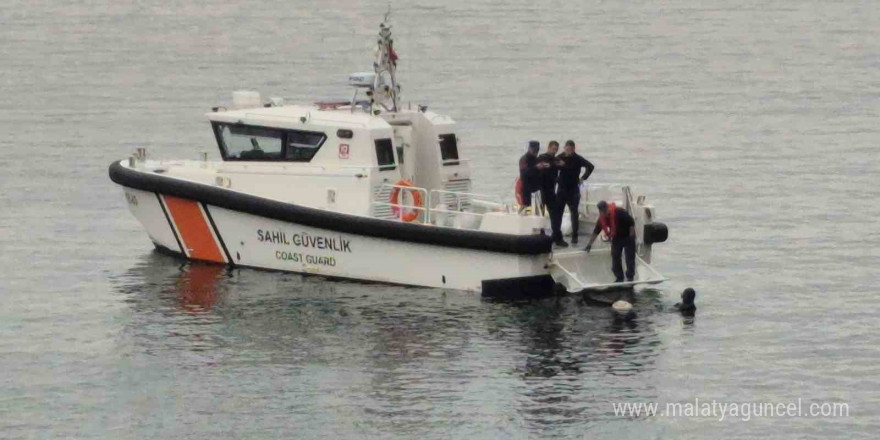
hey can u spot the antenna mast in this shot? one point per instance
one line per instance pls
(386, 66)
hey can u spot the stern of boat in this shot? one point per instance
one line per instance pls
(577, 270)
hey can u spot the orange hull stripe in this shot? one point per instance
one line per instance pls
(194, 230)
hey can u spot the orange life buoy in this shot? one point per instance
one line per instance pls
(410, 215)
(608, 222)
(517, 191)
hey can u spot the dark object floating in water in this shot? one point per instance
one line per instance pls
(687, 301)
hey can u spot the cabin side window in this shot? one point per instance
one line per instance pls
(243, 142)
(448, 149)
(385, 154)
(303, 145)
(252, 143)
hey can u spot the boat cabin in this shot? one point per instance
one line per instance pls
(335, 155)
(367, 157)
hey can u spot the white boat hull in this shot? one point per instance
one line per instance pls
(200, 231)
(218, 225)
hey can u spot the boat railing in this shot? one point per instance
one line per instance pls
(463, 210)
(461, 201)
(322, 116)
(460, 210)
(294, 168)
(617, 193)
(402, 210)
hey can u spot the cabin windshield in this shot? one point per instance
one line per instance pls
(251, 143)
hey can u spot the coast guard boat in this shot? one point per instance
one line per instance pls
(362, 189)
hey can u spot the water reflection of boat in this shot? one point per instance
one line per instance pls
(570, 354)
(193, 287)
(547, 362)
(197, 288)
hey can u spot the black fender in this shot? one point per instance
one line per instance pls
(655, 233)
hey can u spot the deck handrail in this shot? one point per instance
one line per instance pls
(474, 196)
(424, 208)
(432, 205)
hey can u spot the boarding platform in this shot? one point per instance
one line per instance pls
(578, 271)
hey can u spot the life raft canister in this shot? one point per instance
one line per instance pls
(408, 215)
(608, 223)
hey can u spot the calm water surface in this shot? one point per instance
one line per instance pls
(751, 125)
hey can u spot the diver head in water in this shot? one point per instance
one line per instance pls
(687, 301)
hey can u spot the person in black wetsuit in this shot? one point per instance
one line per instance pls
(548, 190)
(686, 306)
(622, 229)
(568, 192)
(530, 173)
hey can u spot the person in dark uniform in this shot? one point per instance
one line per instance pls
(620, 227)
(548, 191)
(530, 173)
(568, 192)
